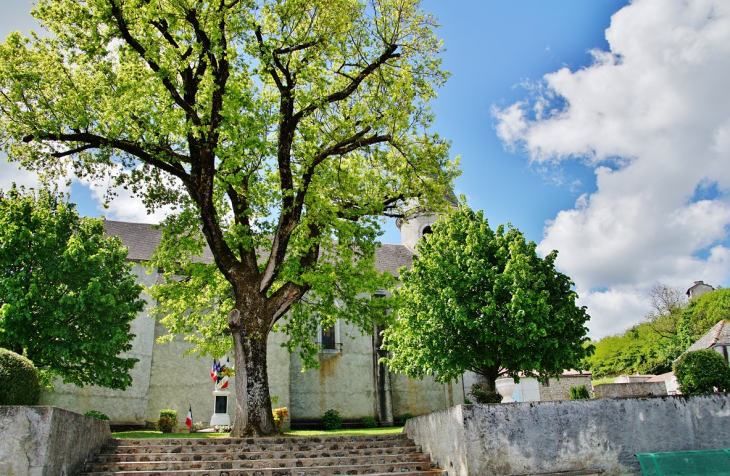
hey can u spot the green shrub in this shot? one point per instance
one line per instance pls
(331, 420)
(702, 371)
(168, 420)
(579, 393)
(97, 415)
(369, 422)
(18, 380)
(171, 414)
(165, 424)
(405, 417)
(482, 395)
(280, 414)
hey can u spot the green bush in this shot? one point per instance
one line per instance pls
(482, 395)
(18, 380)
(97, 415)
(165, 424)
(171, 414)
(168, 420)
(702, 371)
(369, 422)
(579, 393)
(405, 417)
(331, 420)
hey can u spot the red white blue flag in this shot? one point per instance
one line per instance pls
(214, 371)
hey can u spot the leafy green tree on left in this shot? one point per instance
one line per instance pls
(66, 294)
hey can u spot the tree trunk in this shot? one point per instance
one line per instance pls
(490, 375)
(253, 402)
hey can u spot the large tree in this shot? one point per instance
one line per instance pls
(482, 300)
(67, 295)
(279, 130)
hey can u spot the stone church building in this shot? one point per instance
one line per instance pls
(349, 380)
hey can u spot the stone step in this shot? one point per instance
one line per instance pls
(275, 472)
(230, 468)
(279, 440)
(276, 456)
(400, 452)
(128, 447)
(372, 461)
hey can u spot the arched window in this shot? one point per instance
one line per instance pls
(426, 230)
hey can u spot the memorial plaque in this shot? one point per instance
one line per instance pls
(221, 404)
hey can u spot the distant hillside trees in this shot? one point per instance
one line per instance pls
(702, 314)
(668, 330)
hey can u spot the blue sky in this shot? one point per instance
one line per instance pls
(599, 128)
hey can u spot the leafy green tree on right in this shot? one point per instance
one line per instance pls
(483, 300)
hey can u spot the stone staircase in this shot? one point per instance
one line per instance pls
(279, 456)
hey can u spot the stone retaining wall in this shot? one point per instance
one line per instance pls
(47, 441)
(637, 389)
(604, 434)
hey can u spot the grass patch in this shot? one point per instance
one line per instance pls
(352, 432)
(138, 435)
(603, 380)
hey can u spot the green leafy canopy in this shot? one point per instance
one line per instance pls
(66, 294)
(482, 300)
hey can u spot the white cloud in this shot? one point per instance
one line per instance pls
(11, 172)
(124, 206)
(652, 116)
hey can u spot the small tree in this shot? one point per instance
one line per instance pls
(66, 294)
(702, 371)
(482, 300)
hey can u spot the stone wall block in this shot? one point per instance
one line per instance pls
(47, 441)
(636, 389)
(604, 434)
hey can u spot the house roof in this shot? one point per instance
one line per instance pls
(142, 240)
(719, 334)
(661, 378)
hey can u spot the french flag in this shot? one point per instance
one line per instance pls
(214, 371)
(189, 419)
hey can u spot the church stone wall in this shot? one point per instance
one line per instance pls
(178, 381)
(419, 397)
(344, 381)
(129, 406)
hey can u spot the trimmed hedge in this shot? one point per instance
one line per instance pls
(18, 380)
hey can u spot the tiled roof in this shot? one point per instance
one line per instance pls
(142, 240)
(719, 334)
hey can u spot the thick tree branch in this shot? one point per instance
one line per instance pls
(344, 93)
(293, 207)
(94, 141)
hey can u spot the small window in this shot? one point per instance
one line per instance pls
(328, 338)
(426, 230)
